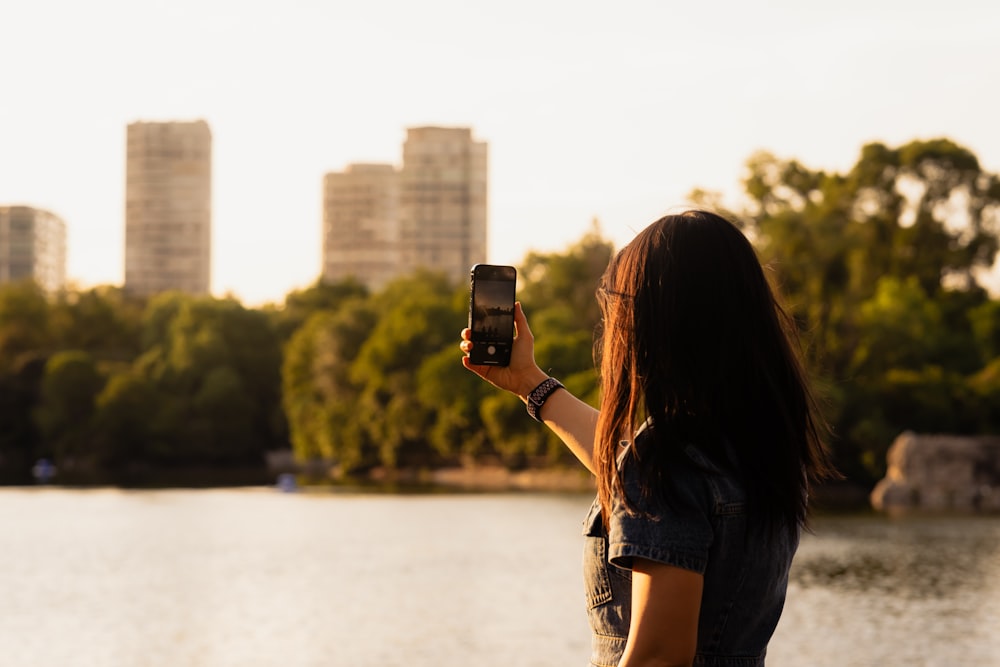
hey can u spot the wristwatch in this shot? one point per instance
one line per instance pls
(540, 394)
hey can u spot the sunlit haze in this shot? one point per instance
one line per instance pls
(612, 111)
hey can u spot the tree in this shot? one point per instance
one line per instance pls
(70, 384)
(300, 305)
(985, 322)
(925, 211)
(20, 441)
(900, 327)
(216, 368)
(319, 397)
(557, 289)
(940, 210)
(101, 321)
(418, 316)
(880, 267)
(24, 323)
(454, 395)
(985, 388)
(558, 292)
(127, 427)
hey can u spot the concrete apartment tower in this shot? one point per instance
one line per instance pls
(380, 222)
(168, 208)
(360, 239)
(442, 223)
(32, 247)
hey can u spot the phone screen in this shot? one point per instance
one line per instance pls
(491, 314)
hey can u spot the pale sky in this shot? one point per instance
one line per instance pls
(613, 110)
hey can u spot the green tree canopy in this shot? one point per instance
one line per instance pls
(25, 323)
(69, 386)
(881, 266)
(216, 367)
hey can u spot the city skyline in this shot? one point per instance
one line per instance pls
(168, 208)
(381, 222)
(32, 247)
(589, 112)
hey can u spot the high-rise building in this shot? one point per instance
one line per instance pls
(32, 247)
(380, 222)
(442, 221)
(360, 208)
(168, 207)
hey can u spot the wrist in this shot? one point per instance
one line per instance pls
(530, 381)
(540, 394)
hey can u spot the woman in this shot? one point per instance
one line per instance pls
(704, 447)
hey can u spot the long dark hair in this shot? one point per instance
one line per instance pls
(695, 341)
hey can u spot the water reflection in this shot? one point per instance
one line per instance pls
(258, 578)
(911, 591)
(915, 558)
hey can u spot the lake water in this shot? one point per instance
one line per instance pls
(250, 578)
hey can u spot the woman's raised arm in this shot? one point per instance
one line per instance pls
(571, 419)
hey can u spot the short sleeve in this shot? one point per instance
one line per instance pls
(679, 535)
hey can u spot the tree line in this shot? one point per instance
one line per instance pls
(881, 267)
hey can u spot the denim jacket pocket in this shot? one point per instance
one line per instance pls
(597, 580)
(608, 594)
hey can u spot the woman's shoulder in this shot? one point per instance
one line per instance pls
(674, 456)
(688, 475)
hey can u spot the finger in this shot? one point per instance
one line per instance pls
(481, 371)
(466, 334)
(520, 321)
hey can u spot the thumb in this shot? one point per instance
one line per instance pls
(521, 322)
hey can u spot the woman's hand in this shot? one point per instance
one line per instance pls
(523, 374)
(572, 420)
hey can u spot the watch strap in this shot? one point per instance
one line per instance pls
(540, 394)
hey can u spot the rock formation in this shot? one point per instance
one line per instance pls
(940, 473)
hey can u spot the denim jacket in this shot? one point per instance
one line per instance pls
(704, 530)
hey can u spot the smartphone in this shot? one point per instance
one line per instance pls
(491, 314)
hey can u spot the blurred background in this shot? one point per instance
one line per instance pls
(285, 152)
